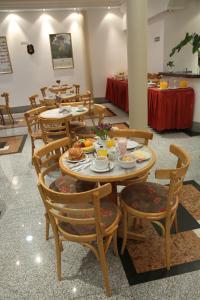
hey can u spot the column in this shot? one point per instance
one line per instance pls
(137, 62)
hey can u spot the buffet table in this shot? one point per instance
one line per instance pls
(170, 108)
(117, 93)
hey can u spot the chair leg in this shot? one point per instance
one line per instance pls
(167, 245)
(33, 147)
(125, 228)
(47, 226)
(58, 259)
(115, 244)
(175, 223)
(104, 266)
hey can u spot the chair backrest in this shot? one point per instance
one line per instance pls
(77, 88)
(176, 175)
(32, 119)
(78, 209)
(49, 103)
(54, 128)
(33, 102)
(99, 110)
(143, 136)
(46, 158)
(43, 91)
(5, 95)
(58, 89)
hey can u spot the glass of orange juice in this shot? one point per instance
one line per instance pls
(110, 143)
(102, 152)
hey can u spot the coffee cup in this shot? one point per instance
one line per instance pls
(101, 162)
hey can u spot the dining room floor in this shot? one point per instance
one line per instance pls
(27, 260)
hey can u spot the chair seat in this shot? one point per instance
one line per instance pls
(109, 213)
(68, 184)
(146, 197)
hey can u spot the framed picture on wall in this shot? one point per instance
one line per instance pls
(61, 50)
(5, 63)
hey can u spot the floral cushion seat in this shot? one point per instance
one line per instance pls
(68, 184)
(109, 212)
(146, 197)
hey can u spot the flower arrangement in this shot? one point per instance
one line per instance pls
(102, 130)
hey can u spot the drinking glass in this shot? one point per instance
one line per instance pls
(122, 145)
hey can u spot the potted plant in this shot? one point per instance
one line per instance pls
(170, 65)
(192, 39)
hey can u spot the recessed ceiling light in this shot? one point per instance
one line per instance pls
(108, 7)
(43, 9)
(74, 8)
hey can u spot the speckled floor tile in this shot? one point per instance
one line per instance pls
(27, 261)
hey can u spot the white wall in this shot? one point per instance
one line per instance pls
(155, 50)
(177, 24)
(30, 72)
(107, 42)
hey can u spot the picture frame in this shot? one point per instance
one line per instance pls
(61, 51)
(5, 62)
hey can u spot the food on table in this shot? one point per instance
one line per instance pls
(110, 143)
(75, 154)
(85, 144)
(140, 155)
(127, 158)
(102, 152)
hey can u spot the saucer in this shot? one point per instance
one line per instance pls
(131, 144)
(94, 169)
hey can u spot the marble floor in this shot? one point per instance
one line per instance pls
(27, 261)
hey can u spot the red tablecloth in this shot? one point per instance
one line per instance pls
(170, 109)
(117, 93)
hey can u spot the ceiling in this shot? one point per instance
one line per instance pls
(50, 4)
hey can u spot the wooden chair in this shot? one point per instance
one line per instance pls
(33, 125)
(54, 128)
(85, 219)
(43, 91)
(77, 88)
(87, 101)
(46, 162)
(58, 89)
(155, 202)
(87, 131)
(33, 101)
(5, 108)
(48, 103)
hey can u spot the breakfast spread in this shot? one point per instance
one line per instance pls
(85, 144)
(75, 154)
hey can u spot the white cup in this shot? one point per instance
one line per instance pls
(80, 107)
(101, 162)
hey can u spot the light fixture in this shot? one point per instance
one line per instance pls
(29, 238)
(75, 8)
(43, 9)
(108, 7)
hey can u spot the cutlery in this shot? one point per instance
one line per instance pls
(80, 164)
(82, 167)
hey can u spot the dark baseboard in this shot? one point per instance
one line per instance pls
(100, 100)
(20, 109)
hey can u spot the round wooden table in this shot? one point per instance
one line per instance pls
(117, 174)
(56, 114)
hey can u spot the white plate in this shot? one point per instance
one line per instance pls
(76, 161)
(94, 169)
(131, 144)
(147, 155)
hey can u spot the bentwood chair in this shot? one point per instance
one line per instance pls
(141, 136)
(87, 131)
(87, 101)
(46, 161)
(77, 88)
(156, 202)
(33, 101)
(43, 91)
(49, 103)
(32, 120)
(84, 218)
(54, 128)
(5, 108)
